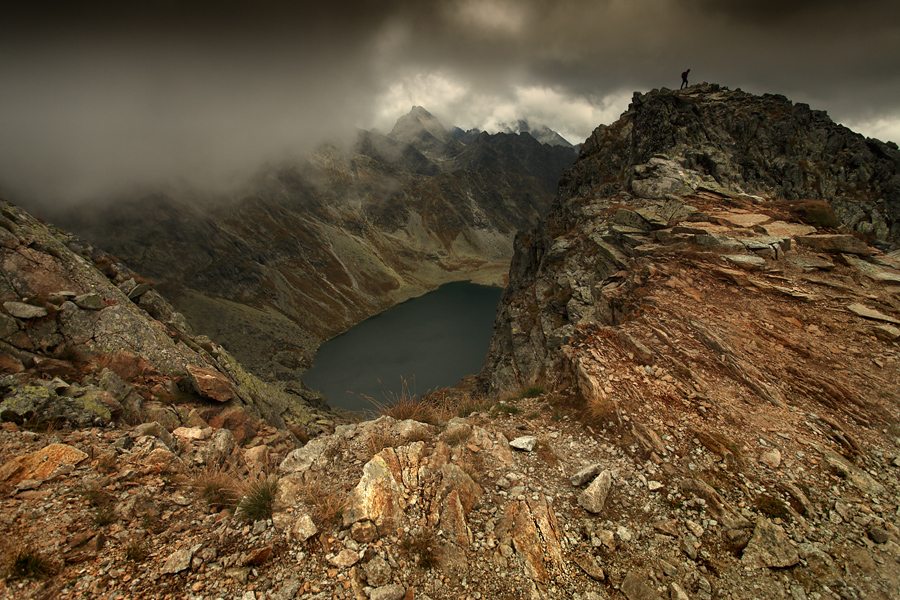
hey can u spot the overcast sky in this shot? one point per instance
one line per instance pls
(101, 96)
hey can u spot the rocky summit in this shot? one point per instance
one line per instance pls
(691, 393)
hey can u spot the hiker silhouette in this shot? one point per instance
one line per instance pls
(684, 79)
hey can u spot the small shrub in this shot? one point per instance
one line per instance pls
(506, 409)
(135, 551)
(104, 515)
(328, 505)
(473, 405)
(598, 411)
(153, 523)
(406, 407)
(423, 545)
(28, 563)
(531, 392)
(457, 437)
(216, 487)
(258, 498)
(472, 463)
(97, 498)
(378, 441)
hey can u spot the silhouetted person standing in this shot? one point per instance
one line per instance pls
(684, 82)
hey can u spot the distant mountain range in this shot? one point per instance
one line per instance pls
(308, 248)
(541, 133)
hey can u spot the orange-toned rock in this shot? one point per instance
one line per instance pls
(211, 384)
(42, 464)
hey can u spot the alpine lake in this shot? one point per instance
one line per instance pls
(416, 347)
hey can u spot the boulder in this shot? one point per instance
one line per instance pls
(635, 587)
(156, 430)
(586, 474)
(376, 497)
(42, 464)
(525, 443)
(594, 497)
(211, 384)
(769, 547)
(90, 301)
(22, 310)
(378, 572)
(393, 591)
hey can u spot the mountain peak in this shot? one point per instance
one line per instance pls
(425, 132)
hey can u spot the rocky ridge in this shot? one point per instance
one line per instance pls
(694, 396)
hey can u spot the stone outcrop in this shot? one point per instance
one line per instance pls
(74, 315)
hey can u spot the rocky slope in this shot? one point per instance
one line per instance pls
(310, 248)
(715, 416)
(87, 344)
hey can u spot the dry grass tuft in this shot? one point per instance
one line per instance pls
(28, 563)
(328, 505)
(599, 411)
(217, 487)
(258, 498)
(423, 545)
(379, 440)
(545, 452)
(405, 405)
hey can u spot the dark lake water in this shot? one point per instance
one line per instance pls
(429, 342)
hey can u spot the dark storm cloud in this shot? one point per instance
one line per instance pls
(98, 96)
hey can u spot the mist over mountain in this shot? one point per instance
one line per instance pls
(308, 247)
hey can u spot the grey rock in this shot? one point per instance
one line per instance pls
(526, 443)
(769, 547)
(159, 432)
(393, 591)
(378, 572)
(688, 545)
(812, 263)
(302, 459)
(871, 313)
(91, 301)
(887, 333)
(178, 561)
(288, 590)
(635, 588)
(835, 244)
(364, 532)
(676, 592)
(852, 473)
(589, 565)
(748, 262)
(8, 326)
(641, 353)
(584, 475)
(879, 535)
(22, 310)
(593, 498)
(344, 559)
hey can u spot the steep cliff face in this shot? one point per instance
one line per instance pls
(670, 179)
(310, 248)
